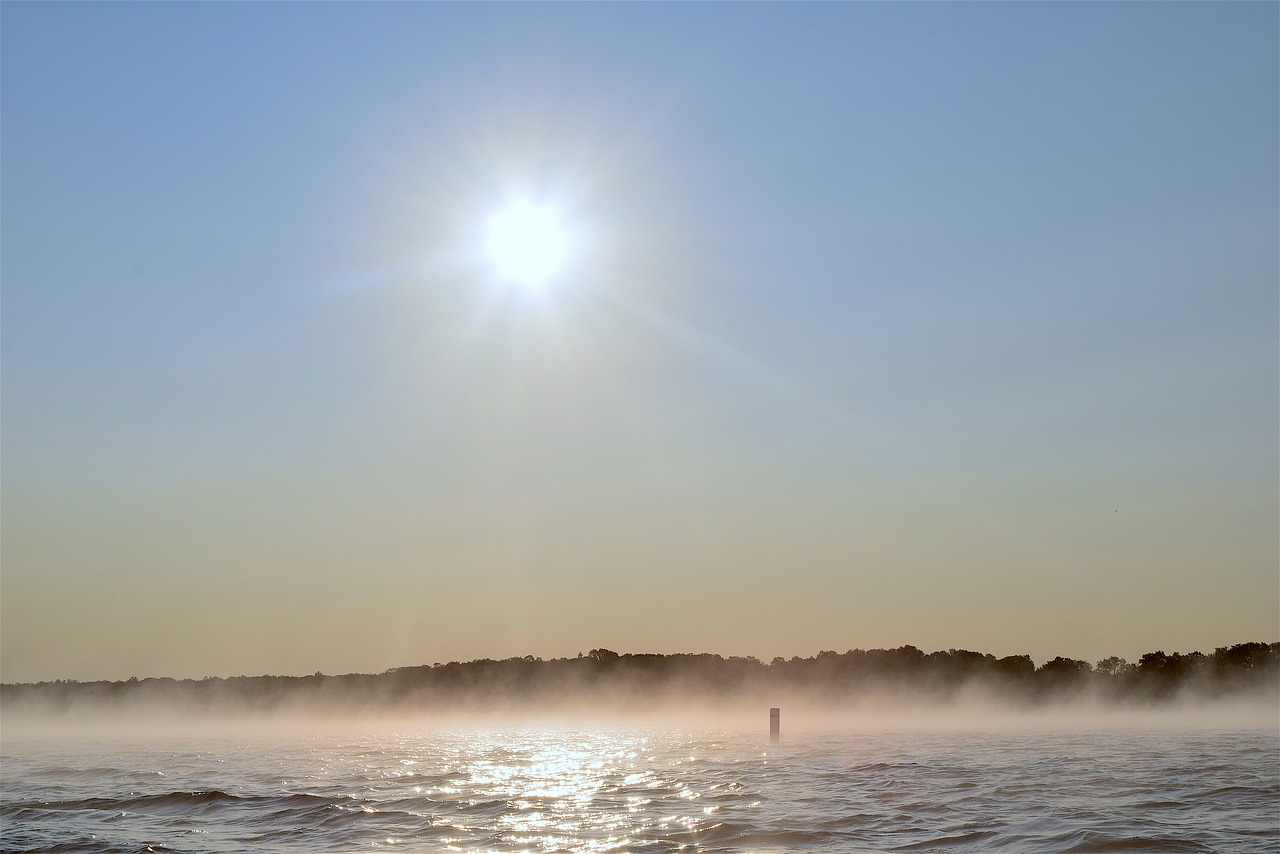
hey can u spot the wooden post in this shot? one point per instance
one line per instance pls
(775, 728)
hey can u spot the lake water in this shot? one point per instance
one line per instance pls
(647, 790)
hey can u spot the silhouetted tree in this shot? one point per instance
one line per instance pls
(603, 656)
(1113, 666)
(904, 671)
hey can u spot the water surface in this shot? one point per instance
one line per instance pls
(648, 790)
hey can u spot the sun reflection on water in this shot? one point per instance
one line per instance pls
(563, 793)
(535, 790)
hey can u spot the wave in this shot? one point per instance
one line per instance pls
(1097, 843)
(178, 801)
(649, 793)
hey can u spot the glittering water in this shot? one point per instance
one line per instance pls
(648, 790)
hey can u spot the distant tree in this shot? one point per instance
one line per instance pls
(1063, 672)
(1113, 666)
(1017, 666)
(1246, 656)
(1153, 663)
(906, 671)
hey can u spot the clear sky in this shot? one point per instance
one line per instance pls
(950, 325)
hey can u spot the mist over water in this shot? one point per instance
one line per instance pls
(654, 754)
(860, 690)
(801, 716)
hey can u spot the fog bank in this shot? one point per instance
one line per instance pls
(902, 688)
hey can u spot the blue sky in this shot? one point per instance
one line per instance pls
(953, 325)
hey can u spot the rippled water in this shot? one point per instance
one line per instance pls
(648, 790)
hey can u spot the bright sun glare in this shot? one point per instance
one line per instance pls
(527, 243)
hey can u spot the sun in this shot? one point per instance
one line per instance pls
(527, 243)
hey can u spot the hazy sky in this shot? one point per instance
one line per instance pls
(950, 325)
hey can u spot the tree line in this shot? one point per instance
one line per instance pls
(626, 679)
